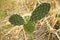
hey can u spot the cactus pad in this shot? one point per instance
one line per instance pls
(40, 12)
(16, 20)
(29, 27)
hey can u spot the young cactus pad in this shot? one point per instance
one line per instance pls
(40, 12)
(16, 20)
(29, 27)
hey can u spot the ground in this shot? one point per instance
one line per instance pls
(48, 28)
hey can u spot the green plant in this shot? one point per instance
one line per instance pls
(26, 18)
(16, 20)
(29, 27)
(37, 14)
(40, 12)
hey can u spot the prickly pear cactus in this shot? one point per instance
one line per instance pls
(16, 20)
(40, 12)
(37, 14)
(29, 27)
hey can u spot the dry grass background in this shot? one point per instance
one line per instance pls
(47, 28)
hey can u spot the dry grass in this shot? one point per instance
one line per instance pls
(45, 29)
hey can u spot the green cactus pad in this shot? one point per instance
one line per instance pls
(16, 20)
(40, 12)
(29, 27)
